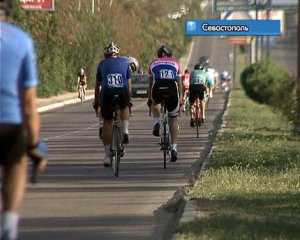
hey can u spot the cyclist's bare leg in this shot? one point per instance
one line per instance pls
(196, 109)
(202, 107)
(173, 130)
(14, 184)
(84, 89)
(107, 132)
(156, 113)
(124, 115)
(184, 99)
(13, 190)
(107, 139)
(193, 110)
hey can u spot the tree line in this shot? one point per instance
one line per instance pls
(73, 35)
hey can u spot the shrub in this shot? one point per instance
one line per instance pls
(269, 84)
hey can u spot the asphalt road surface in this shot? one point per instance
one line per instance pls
(77, 198)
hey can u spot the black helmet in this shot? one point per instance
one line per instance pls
(164, 51)
(199, 66)
(204, 60)
(6, 6)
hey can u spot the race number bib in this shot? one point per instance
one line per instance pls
(115, 80)
(199, 79)
(166, 74)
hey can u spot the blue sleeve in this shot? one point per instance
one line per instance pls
(29, 68)
(128, 73)
(99, 74)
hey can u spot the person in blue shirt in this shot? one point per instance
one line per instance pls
(113, 78)
(19, 120)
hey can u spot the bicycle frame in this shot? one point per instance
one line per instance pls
(81, 92)
(117, 148)
(165, 134)
(197, 115)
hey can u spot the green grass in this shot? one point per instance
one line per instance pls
(251, 189)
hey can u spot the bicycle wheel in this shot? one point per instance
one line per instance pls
(116, 150)
(197, 119)
(81, 94)
(187, 106)
(197, 127)
(165, 144)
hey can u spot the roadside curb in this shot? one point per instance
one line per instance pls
(63, 103)
(188, 211)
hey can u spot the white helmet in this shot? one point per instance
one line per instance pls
(82, 71)
(111, 48)
(133, 64)
(225, 75)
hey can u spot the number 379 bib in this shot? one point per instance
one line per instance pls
(115, 80)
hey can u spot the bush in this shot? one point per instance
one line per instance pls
(269, 84)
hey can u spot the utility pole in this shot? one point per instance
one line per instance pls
(269, 7)
(256, 38)
(93, 6)
(297, 127)
(235, 55)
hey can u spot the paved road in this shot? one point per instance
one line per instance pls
(78, 198)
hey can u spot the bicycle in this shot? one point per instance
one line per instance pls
(117, 147)
(186, 104)
(165, 135)
(197, 113)
(81, 93)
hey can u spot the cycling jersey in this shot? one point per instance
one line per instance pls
(82, 79)
(211, 76)
(165, 68)
(199, 77)
(17, 71)
(166, 72)
(113, 72)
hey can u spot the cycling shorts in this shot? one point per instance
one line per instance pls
(210, 83)
(13, 143)
(107, 101)
(167, 91)
(197, 91)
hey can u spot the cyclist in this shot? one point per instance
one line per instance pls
(18, 114)
(225, 81)
(198, 89)
(113, 78)
(185, 79)
(211, 81)
(165, 79)
(204, 60)
(81, 81)
(133, 66)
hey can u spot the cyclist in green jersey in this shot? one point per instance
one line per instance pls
(198, 87)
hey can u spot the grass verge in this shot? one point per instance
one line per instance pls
(251, 189)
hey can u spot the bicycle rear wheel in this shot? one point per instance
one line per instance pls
(198, 123)
(116, 150)
(81, 94)
(165, 145)
(197, 127)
